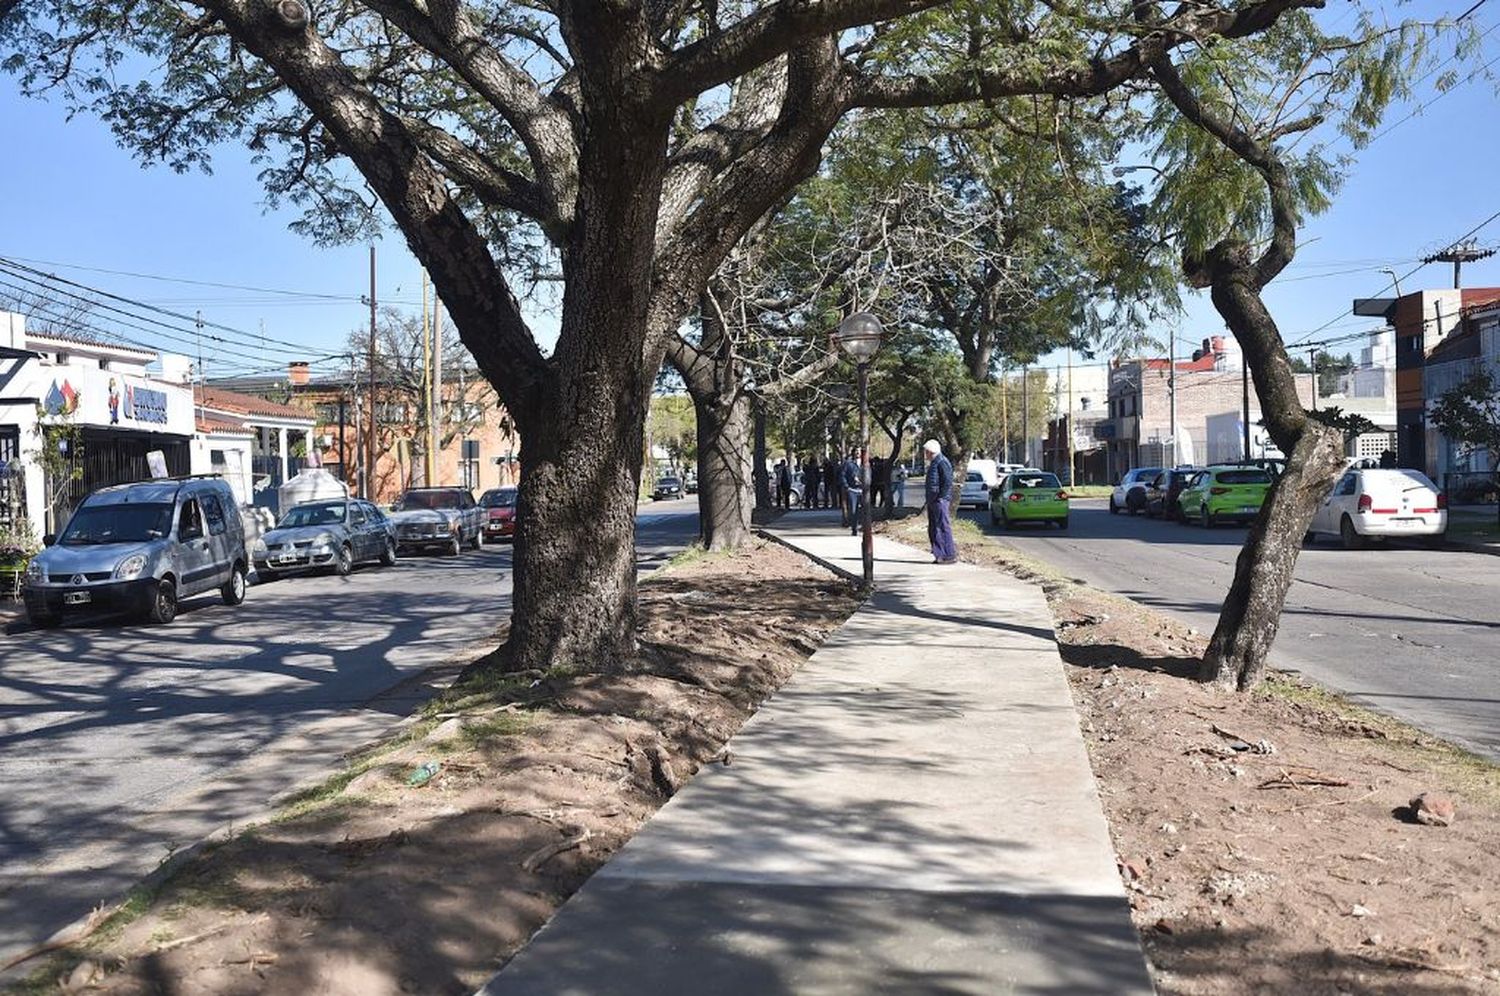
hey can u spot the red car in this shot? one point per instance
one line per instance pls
(499, 506)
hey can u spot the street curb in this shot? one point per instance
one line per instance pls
(858, 579)
(1489, 549)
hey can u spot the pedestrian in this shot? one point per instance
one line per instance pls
(783, 485)
(1387, 460)
(832, 488)
(810, 480)
(875, 493)
(898, 486)
(854, 493)
(939, 494)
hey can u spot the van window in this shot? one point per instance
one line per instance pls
(190, 521)
(214, 513)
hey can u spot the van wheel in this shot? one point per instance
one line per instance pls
(1351, 537)
(345, 562)
(233, 591)
(388, 555)
(163, 607)
(478, 543)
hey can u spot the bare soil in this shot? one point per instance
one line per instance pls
(370, 885)
(1265, 838)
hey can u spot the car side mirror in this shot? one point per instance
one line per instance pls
(49, 540)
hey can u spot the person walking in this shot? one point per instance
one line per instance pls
(810, 481)
(833, 494)
(939, 493)
(854, 493)
(898, 486)
(783, 485)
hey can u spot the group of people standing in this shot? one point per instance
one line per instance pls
(837, 483)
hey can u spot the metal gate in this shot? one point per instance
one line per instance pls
(105, 457)
(12, 482)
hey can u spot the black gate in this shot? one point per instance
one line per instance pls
(12, 483)
(115, 456)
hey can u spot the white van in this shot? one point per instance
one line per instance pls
(1377, 503)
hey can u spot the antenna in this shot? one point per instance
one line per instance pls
(1458, 254)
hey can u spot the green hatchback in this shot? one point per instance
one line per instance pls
(1224, 494)
(1029, 496)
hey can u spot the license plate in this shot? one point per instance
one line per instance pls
(1248, 508)
(287, 558)
(77, 598)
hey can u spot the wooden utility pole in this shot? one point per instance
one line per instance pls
(1005, 414)
(436, 423)
(369, 482)
(1068, 417)
(1026, 415)
(430, 456)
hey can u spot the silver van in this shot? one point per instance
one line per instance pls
(141, 549)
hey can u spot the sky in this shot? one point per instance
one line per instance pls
(78, 205)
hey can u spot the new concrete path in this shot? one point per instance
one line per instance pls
(913, 812)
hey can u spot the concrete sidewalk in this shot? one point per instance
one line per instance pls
(913, 812)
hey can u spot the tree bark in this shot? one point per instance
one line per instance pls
(1263, 573)
(725, 490)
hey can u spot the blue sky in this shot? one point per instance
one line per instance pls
(78, 199)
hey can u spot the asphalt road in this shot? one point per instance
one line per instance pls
(1409, 631)
(121, 742)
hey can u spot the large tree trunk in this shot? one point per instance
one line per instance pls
(1263, 574)
(725, 491)
(575, 574)
(758, 472)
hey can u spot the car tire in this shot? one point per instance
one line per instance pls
(233, 590)
(1005, 521)
(994, 519)
(1113, 508)
(163, 607)
(1133, 505)
(455, 547)
(1205, 517)
(1062, 523)
(388, 555)
(343, 564)
(1350, 536)
(478, 543)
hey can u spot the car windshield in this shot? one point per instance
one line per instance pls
(504, 498)
(667, 482)
(1035, 481)
(416, 500)
(1244, 477)
(327, 514)
(135, 523)
(974, 478)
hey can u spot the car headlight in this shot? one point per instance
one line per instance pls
(259, 546)
(34, 571)
(130, 568)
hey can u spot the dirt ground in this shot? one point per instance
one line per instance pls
(370, 884)
(1265, 839)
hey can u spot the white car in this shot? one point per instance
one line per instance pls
(1378, 503)
(976, 491)
(1130, 493)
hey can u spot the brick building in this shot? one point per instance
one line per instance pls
(1210, 388)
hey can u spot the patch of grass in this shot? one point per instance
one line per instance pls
(42, 980)
(690, 554)
(478, 732)
(1090, 490)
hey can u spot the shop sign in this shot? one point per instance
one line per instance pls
(140, 404)
(61, 400)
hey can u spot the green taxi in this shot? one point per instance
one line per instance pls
(1224, 494)
(1029, 496)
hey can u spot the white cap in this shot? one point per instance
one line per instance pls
(932, 446)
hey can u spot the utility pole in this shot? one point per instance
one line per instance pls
(437, 381)
(1245, 387)
(1068, 418)
(1005, 414)
(1172, 393)
(1458, 254)
(369, 477)
(1312, 356)
(1026, 415)
(198, 334)
(427, 389)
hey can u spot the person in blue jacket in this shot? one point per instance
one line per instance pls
(939, 498)
(854, 491)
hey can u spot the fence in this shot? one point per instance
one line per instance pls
(1470, 487)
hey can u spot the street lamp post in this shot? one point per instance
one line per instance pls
(859, 338)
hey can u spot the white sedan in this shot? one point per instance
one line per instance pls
(1130, 493)
(1376, 503)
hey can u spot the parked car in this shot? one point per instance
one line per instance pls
(667, 488)
(690, 483)
(331, 533)
(1130, 492)
(1162, 492)
(1375, 503)
(1220, 494)
(141, 549)
(500, 513)
(438, 518)
(975, 492)
(1029, 496)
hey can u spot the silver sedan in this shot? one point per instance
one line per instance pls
(332, 534)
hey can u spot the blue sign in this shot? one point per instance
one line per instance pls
(145, 405)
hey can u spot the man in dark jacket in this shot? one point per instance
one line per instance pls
(810, 488)
(783, 485)
(833, 491)
(939, 497)
(854, 492)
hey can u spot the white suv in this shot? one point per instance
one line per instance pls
(1130, 493)
(1380, 504)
